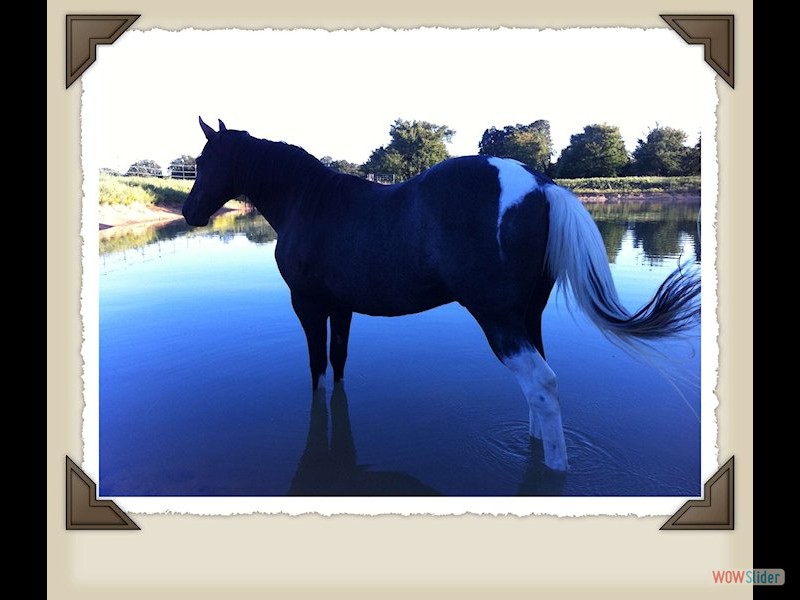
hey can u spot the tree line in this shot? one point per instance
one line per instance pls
(597, 151)
(183, 167)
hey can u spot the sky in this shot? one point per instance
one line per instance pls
(337, 93)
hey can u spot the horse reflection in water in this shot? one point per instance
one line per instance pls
(489, 233)
(332, 470)
(329, 465)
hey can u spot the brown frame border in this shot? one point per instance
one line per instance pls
(715, 33)
(84, 510)
(84, 33)
(714, 511)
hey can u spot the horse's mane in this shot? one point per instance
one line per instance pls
(269, 160)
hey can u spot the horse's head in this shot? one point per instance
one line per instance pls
(214, 184)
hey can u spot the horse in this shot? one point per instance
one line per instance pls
(489, 233)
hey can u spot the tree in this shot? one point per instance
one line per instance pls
(385, 161)
(662, 153)
(530, 144)
(691, 162)
(415, 146)
(145, 168)
(183, 167)
(596, 152)
(342, 166)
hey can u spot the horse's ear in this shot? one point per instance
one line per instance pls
(210, 133)
(221, 126)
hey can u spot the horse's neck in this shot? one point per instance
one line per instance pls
(278, 179)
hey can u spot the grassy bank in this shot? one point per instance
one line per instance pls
(633, 185)
(149, 191)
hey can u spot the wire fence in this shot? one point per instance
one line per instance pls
(384, 178)
(171, 172)
(182, 172)
(190, 172)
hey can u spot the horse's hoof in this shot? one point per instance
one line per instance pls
(557, 464)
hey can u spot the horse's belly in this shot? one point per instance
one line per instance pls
(394, 301)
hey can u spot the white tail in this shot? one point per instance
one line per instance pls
(577, 257)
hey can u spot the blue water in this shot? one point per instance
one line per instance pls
(205, 390)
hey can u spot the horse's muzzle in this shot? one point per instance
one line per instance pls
(195, 222)
(191, 218)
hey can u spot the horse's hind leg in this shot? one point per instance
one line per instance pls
(314, 318)
(534, 425)
(533, 313)
(340, 335)
(533, 326)
(540, 387)
(513, 347)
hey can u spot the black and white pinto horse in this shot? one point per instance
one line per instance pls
(489, 233)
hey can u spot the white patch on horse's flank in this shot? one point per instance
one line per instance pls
(539, 384)
(515, 184)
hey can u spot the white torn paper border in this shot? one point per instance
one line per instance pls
(612, 66)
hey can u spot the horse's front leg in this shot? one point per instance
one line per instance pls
(340, 334)
(314, 318)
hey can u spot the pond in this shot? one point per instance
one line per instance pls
(205, 390)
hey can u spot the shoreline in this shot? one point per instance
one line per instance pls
(120, 216)
(620, 197)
